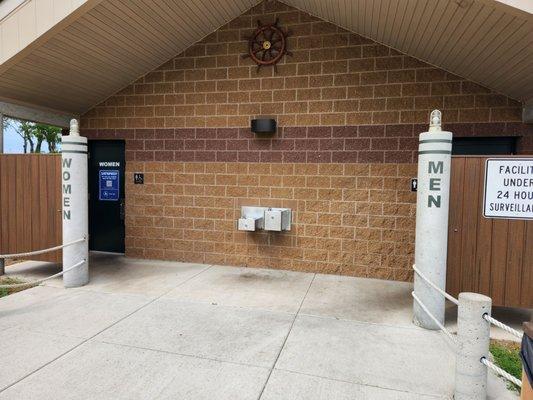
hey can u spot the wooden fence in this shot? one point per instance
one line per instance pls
(489, 256)
(30, 204)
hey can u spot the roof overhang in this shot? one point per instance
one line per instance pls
(35, 114)
(104, 45)
(487, 41)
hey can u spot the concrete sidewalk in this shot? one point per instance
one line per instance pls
(152, 329)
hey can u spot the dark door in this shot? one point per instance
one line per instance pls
(483, 146)
(106, 195)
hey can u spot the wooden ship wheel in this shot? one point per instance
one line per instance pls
(267, 45)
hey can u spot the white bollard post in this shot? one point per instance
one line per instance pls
(432, 203)
(473, 333)
(75, 206)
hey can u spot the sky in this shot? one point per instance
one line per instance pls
(13, 143)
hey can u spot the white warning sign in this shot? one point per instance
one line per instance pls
(508, 188)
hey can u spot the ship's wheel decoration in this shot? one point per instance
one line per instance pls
(267, 45)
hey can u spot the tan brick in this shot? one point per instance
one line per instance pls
(308, 94)
(296, 107)
(249, 84)
(385, 117)
(320, 106)
(206, 109)
(333, 119)
(372, 104)
(359, 92)
(227, 109)
(358, 118)
(334, 93)
(271, 108)
(238, 72)
(334, 67)
(307, 119)
(321, 81)
(227, 85)
(216, 73)
(510, 114)
(284, 95)
(297, 82)
(400, 103)
(272, 83)
(313, 68)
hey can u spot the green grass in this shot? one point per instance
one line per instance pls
(6, 280)
(506, 356)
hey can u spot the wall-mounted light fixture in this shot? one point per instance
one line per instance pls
(263, 125)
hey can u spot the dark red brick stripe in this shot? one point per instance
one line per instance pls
(320, 144)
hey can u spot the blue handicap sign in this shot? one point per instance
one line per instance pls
(109, 188)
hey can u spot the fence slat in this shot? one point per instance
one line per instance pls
(470, 225)
(484, 243)
(527, 273)
(515, 258)
(30, 196)
(453, 276)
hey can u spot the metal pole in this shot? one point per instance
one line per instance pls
(432, 204)
(2, 261)
(473, 333)
(75, 206)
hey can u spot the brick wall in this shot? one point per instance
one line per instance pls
(389, 143)
(352, 219)
(334, 78)
(349, 111)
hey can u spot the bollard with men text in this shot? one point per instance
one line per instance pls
(432, 204)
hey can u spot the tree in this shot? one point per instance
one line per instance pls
(38, 133)
(5, 124)
(6, 121)
(34, 134)
(51, 134)
(26, 130)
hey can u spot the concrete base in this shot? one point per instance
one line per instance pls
(151, 329)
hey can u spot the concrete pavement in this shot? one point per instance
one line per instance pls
(164, 330)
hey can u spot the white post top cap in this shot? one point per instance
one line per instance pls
(74, 127)
(435, 120)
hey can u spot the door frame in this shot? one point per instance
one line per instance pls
(94, 196)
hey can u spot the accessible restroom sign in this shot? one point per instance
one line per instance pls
(508, 188)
